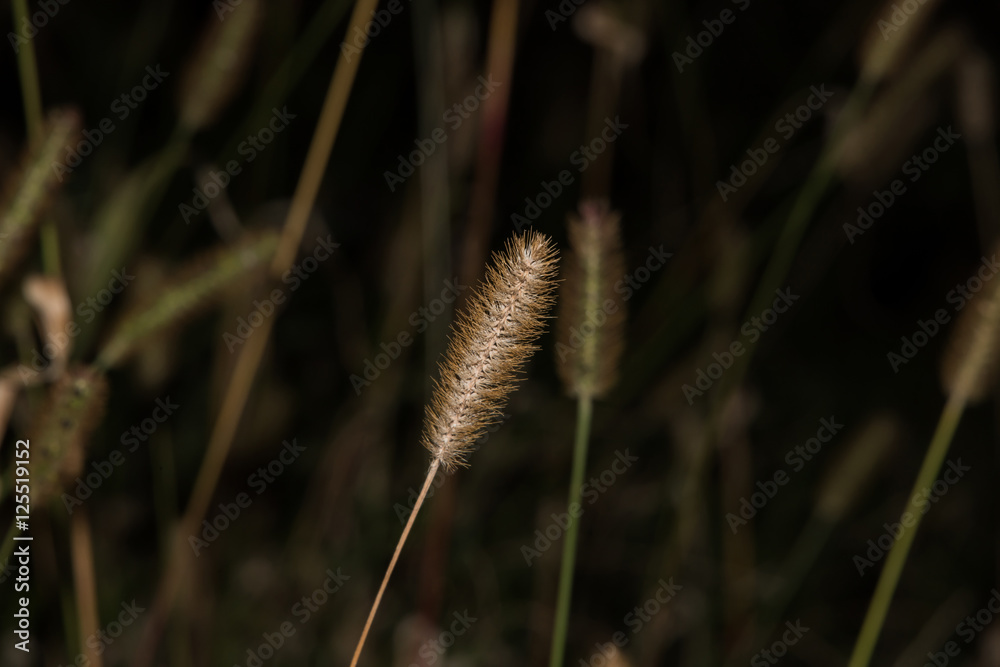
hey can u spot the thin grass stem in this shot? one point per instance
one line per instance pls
(431, 472)
(31, 93)
(318, 156)
(238, 388)
(878, 608)
(27, 68)
(584, 410)
(85, 583)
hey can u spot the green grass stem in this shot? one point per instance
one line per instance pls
(584, 411)
(878, 608)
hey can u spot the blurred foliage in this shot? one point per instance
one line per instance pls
(377, 308)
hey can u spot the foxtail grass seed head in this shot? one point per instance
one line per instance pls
(975, 102)
(969, 366)
(603, 28)
(200, 284)
(62, 427)
(591, 317)
(48, 297)
(873, 147)
(491, 340)
(892, 34)
(860, 460)
(27, 195)
(215, 72)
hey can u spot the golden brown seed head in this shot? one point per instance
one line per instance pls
(491, 340)
(591, 316)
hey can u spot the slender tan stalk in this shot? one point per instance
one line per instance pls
(491, 340)
(84, 582)
(238, 389)
(322, 145)
(435, 464)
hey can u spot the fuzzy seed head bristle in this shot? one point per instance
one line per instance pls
(591, 317)
(491, 340)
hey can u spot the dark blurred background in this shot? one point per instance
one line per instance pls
(338, 506)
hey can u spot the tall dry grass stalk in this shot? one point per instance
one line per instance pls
(85, 584)
(238, 390)
(491, 341)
